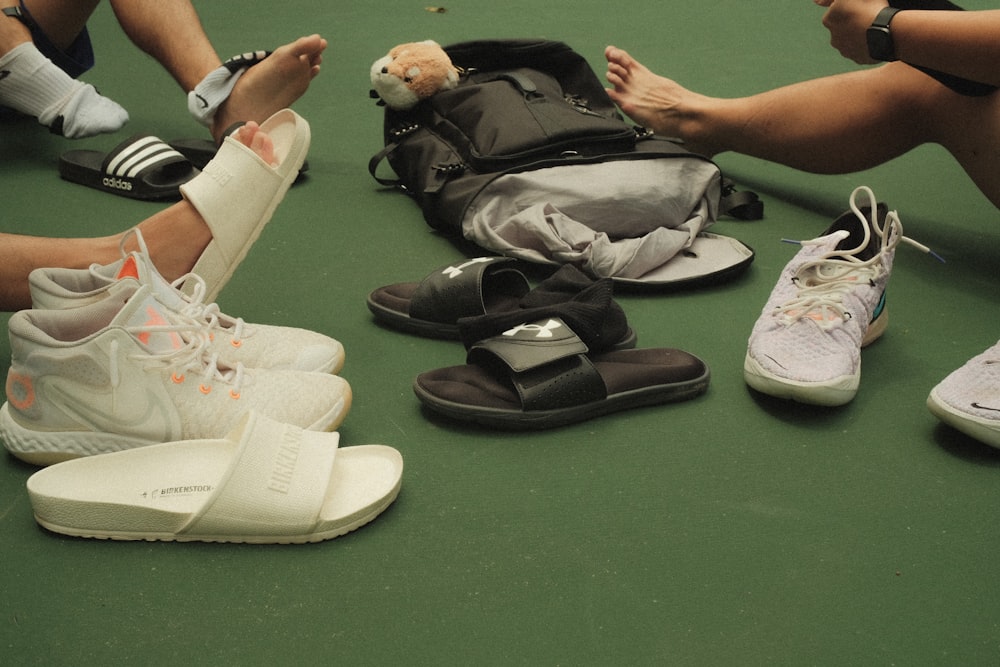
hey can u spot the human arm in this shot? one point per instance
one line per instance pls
(964, 44)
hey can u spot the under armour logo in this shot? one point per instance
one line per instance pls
(540, 330)
(456, 271)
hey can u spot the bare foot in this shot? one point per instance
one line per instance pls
(272, 84)
(177, 236)
(653, 101)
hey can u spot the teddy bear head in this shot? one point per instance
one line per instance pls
(412, 72)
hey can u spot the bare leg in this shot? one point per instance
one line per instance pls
(175, 237)
(171, 32)
(837, 124)
(12, 32)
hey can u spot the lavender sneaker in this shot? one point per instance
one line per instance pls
(969, 398)
(828, 304)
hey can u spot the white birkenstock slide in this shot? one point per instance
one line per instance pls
(265, 483)
(237, 192)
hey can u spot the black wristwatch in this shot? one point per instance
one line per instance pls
(880, 46)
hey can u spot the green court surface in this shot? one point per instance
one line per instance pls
(729, 530)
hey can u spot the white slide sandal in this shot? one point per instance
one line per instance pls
(237, 193)
(266, 483)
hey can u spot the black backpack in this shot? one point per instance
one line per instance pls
(520, 105)
(530, 132)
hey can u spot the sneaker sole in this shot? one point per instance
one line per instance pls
(986, 431)
(832, 393)
(45, 448)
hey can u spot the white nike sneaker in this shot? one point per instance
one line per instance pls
(828, 303)
(235, 341)
(969, 398)
(110, 376)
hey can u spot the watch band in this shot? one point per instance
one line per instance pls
(884, 17)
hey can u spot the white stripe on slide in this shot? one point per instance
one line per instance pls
(144, 153)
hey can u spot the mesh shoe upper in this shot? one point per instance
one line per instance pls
(969, 398)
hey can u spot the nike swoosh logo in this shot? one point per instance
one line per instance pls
(138, 414)
(204, 102)
(980, 406)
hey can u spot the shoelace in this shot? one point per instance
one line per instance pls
(210, 313)
(825, 281)
(191, 356)
(195, 307)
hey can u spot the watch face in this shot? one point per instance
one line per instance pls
(880, 46)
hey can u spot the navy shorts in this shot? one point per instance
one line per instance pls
(75, 60)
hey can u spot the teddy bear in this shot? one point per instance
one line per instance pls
(412, 72)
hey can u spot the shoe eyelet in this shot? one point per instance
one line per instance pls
(204, 389)
(233, 394)
(177, 379)
(236, 343)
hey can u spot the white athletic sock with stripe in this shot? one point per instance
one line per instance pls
(34, 85)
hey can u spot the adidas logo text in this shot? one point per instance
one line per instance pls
(116, 183)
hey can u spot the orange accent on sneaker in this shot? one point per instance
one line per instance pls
(236, 343)
(205, 390)
(129, 269)
(20, 391)
(233, 394)
(156, 319)
(177, 379)
(815, 315)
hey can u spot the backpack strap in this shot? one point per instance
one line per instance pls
(377, 159)
(744, 205)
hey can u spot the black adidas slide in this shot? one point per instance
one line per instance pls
(141, 167)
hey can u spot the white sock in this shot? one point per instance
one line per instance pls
(214, 89)
(34, 85)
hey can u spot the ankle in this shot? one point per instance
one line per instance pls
(693, 122)
(13, 32)
(176, 239)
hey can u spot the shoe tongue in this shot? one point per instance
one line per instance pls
(143, 311)
(139, 267)
(128, 269)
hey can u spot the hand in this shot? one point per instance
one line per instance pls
(848, 22)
